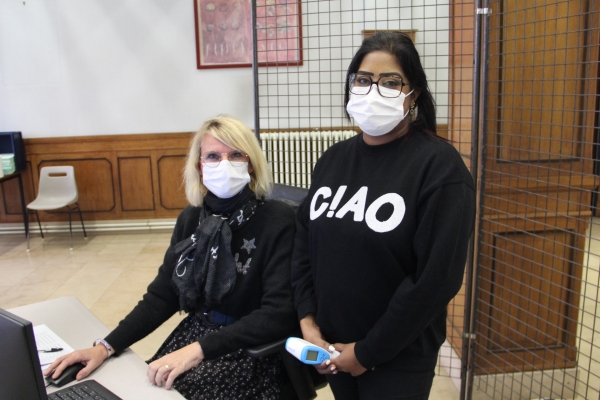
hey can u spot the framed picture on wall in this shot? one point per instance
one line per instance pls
(224, 33)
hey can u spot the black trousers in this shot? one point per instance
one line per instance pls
(382, 384)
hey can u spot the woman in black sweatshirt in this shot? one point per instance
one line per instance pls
(382, 237)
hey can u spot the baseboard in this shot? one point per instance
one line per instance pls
(140, 225)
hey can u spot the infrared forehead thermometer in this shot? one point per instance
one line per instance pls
(307, 352)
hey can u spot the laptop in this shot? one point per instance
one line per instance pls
(20, 372)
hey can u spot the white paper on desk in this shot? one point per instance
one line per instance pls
(45, 338)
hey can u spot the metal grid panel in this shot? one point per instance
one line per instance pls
(539, 248)
(309, 97)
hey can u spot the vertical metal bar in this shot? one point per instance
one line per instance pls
(481, 52)
(255, 71)
(465, 389)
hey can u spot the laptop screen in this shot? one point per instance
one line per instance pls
(20, 373)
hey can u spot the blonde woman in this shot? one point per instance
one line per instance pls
(228, 267)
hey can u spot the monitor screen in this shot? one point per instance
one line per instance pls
(20, 372)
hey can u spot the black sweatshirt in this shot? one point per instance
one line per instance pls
(261, 298)
(381, 246)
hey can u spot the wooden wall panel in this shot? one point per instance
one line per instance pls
(135, 177)
(541, 97)
(9, 192)
(117, 175)
(529, 294)
(172, 192)
(10, 202)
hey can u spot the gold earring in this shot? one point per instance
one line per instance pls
(412, 109)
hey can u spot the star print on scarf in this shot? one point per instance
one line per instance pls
(242, 269)
(248, 245)
(206, 270)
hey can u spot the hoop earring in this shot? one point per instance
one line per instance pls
(412, 109)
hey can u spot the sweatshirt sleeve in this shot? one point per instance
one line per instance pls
(158, 304)
(302, 276)
(275, 318)
(445, 223)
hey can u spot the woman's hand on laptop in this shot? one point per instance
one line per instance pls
(92, 358)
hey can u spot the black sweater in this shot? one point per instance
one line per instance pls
(381, 269)
(261, 298)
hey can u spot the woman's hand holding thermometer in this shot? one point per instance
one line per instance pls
(307, 352)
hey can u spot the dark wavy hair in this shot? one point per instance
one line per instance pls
(400, 45)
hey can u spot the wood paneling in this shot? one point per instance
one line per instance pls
(135, 176)
(118, 176)
(10, 203)
(540, 78)
(529, 294)
(172, 192)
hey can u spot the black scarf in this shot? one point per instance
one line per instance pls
(206, 269)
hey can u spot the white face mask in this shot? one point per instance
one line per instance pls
(225, 180)
(377, 115)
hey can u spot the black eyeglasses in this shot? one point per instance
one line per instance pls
(387, 86)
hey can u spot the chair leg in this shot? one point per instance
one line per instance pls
(37, 216)
(39, 224)
(70, 230)
(81, 219)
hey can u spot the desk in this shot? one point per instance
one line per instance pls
(75, 324)
(19, 176)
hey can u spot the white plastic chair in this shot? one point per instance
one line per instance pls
(57, 189)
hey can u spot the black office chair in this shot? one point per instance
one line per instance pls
(289, 194)
(301, 381)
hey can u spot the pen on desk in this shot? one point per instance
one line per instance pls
(52, 350)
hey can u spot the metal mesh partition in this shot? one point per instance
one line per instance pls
(322, 37)
(300, 90)
(522, 76)
(538, 247)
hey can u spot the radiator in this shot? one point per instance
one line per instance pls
(292, 155)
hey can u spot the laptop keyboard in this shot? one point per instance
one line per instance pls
(86, 390)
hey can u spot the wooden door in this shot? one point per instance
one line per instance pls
(538, 183)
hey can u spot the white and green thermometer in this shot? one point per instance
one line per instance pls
(307, 352)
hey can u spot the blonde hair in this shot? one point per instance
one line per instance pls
(236, 135)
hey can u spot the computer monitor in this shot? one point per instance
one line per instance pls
(20, 371)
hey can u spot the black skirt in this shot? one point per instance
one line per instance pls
(233, 376)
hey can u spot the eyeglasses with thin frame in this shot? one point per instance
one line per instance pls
(212, 159)
(387, 86)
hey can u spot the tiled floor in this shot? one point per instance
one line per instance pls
(108, 273)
